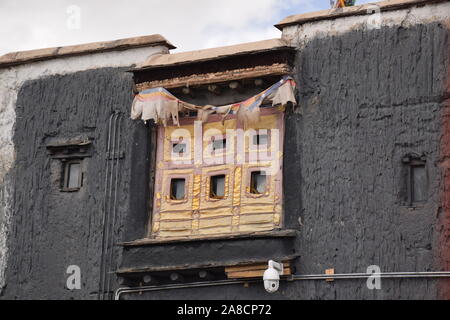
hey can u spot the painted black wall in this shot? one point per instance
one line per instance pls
(50, 229)
(367, 98)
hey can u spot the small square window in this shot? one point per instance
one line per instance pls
(416, 180)
(418, 183)
(258, 182)
(179, 148)
(260, 139)
(72, 180)
(217, 187)
(219, 144)
(177, 189)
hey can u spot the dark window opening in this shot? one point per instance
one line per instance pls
(73, 176)
(179, 148)
(217, 187)
(258, 182)
(416, 180)
(219, 144)
(177, 189)
(260, 139)
(418, 183)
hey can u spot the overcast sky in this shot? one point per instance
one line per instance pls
(188, 24)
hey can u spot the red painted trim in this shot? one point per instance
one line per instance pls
(443, 223)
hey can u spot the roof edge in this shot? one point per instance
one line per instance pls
(211, 54)
(330, 14)
(29, 56)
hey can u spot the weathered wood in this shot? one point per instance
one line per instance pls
(253, 271)
(253, 274)
(218, 77)
(330, 272)
(152, 176)
(288, 233)
(262, 266)
(200, 266)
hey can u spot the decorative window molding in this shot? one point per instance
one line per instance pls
(71, 153)
(178, 189)
(70, 149)
(258, 182)
(217, 186)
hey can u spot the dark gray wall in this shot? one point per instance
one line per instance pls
(367, 98)
(50, 229)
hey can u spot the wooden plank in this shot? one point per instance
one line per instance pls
(262, 266)
(217, 77)
(253, 274)
(330, 272)
(201, 266)
(287, 233)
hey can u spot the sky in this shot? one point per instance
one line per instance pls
(188, 24)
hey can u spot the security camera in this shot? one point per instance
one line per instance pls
(272, 276)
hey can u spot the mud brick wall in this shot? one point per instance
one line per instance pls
(367, 98)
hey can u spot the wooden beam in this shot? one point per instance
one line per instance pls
(287, 233)
(253, 271)
(253, 274)
(202, 266)
(330, 272)
(218, 77)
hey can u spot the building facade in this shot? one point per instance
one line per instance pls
(359, 162)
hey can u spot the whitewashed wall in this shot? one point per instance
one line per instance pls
(299, 35)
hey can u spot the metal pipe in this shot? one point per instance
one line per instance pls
(108, 187)
(108, 248)
(121, 291)
(348, 276)
(443, 274)
(114, 209)
(108, 150)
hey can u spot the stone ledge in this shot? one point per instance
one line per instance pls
(23, 57)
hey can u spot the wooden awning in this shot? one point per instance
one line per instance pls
(213, 66)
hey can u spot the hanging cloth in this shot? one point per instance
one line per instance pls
(157, 104)
(161, 106)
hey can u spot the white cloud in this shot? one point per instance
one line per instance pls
(189, 25)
